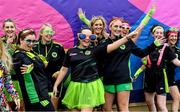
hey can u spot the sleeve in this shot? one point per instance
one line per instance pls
(17, 62)
(169, 54)
(66, 61)
(10, 87)
(142, 52)
(62, 56)
(101, 50)
(178, 53)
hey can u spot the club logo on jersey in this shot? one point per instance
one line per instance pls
(54, 54)
(87, 52)
(122, 47)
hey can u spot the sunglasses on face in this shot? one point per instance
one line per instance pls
(126, 28)
(48, 32)
(83, 36)
(116, 27)
(29, 41)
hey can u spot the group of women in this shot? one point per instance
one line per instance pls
(97, 54)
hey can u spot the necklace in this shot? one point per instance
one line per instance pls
(46, 51)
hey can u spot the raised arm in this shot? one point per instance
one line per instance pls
(63, 71)
(83, 18)
(115, 45)
(144, 21)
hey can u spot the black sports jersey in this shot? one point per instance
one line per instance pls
(155, 76)
(54, 54)
(117, 67)
(168, 55)
(34, 86)
(171, 67)
(83, 63)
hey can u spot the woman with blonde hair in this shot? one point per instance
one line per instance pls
(54, 54)
(5, 79)
(97, 25)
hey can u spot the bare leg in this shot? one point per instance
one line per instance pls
(123, 100)
(87, 110)
(161, 103)
(109, 98)
(176, 98)
(150, 101)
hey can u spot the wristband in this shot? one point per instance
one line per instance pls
(138, 72)
(157, 43)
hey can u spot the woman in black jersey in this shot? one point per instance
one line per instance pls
(85, 90)
(172, 36)
(30, 72)
(155, 79)
(116, 73)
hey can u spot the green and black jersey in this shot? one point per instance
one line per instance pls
(34, 85)
(83, 63)
(54, 54)
(117, 65)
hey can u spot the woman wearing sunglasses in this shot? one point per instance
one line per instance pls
(85, 90)
(54, 53)
(30, 72)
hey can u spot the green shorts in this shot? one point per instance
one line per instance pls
(118, 88)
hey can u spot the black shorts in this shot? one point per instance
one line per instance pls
(171, 80)
(154, 81)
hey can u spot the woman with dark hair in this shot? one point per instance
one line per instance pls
(29, 68)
